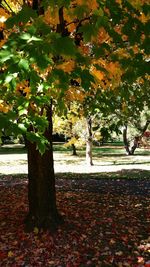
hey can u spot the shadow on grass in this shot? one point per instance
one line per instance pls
(12, 150)
(104, 162)
(125, 182)
(123, 174)
(131, 182)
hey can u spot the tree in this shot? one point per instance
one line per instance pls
(133, 113)
(51, 49)
(130, 146)
(65, 124)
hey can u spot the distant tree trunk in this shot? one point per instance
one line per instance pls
(135, 145)
(131, 149)
(41, 186)
(89, 160)
(74, 151)
(125, 140)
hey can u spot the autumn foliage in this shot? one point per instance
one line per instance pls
(97, 45)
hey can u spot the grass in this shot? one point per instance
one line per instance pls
(107, 161)
(124, 174)
(12, 149)
(104, 154)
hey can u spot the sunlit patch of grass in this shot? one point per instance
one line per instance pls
(109, 156)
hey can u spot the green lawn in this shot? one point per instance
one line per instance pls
(109, 162)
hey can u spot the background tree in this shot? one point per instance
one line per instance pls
(133, 112)
(65, 124)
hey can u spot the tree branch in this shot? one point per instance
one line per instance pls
(8, 6)
(61, 27)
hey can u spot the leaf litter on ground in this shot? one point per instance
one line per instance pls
(107, 223)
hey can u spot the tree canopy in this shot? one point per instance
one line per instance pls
(66, 51)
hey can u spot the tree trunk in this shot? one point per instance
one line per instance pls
(135, 145)
(89, 160)
(125, 140)
(131, 150)
(41, 186)
(74, 151)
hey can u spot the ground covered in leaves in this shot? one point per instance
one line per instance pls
(107, 223)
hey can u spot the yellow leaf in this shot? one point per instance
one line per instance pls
(92, 5)
(10, 254)
(51, 16)
(72, 141)
(3, 15)
(119, 2)
(135, 49)
(144, 18)
(36, 230)
(97, 73)
(27, 90)
(85, 49)
(103, 36)
(4, 107)
(67, 66)
(75, 94)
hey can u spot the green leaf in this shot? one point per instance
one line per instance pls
(32, 137)
(42, 61)
(88, 31)
(25, 14)
(80, 11)
(39, 139)
(25, 36)
(41, 123)
(86, 78)
(34, 38)
(98, 12)
(146, 9)
(41, 147)
(8, 78)
(146, 45)
(22, 111)
(5, 55)
(65, 46)
(23, 64)
(22, 127)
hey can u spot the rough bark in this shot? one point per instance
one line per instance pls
(41, 187)
(89, 160)
(43, 211)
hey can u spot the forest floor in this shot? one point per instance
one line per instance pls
(106, 214)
